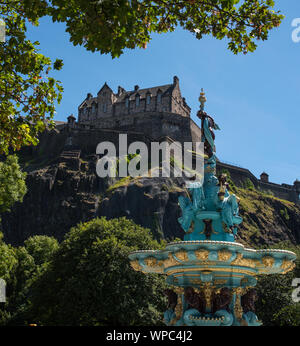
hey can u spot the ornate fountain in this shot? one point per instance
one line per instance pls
(212, 276)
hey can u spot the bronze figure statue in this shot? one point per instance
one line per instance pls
(221, 301)
(172, 299)
(194, 300)
(248, 300)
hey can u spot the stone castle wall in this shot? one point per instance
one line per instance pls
(152, 124)
(239, 175)
(86, 138)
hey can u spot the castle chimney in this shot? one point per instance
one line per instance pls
(136, 87)
(175, 80)
(264, 177)
(88, 96)
(71, 120)
(120, 90)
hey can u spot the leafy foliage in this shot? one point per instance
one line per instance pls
(90, 281)
(19, 267)
(12, 183)
(8, 262)
(41, 248)
(109, 26)
(27, 93)
(288, 316)
(284, 213)
(248, 184)
(275, 306)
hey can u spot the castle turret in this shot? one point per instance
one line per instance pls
(71, 120)
(264, 177)
(297, 185)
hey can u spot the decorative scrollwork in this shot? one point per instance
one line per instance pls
(170, 261)
(268, 261)
(244, 262)
(136, 265)
(151, 261)
(287, 266)
(224, 255)
(182, 255)
(202, 254)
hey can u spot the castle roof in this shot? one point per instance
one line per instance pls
(164, 89)
(88, 102)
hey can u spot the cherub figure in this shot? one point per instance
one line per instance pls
(191, 205)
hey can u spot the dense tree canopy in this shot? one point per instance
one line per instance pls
(109, 26)
(12, 183)
(28, 94)
(275, 306)
(90, 281)
(20, 267)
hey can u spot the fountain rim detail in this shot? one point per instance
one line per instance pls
(202, 242)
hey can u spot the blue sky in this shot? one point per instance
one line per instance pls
(254, 98)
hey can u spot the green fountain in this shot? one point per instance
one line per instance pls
(211, 275)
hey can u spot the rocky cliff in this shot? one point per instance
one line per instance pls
(65, 190)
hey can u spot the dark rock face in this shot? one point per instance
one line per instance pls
(150, 202)
(68, 191)
(57, 198)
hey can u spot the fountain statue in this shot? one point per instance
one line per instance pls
(212, 276)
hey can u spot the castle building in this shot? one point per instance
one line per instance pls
(107, 104)
(157, 112)
(150, 114)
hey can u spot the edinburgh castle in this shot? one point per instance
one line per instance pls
(151, 114)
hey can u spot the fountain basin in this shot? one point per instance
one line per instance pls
(223, 263)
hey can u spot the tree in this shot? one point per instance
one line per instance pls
(275, 306)
(274, 294)
(8, 263)
(41, 248)
(12, 183)
(90, 281)
(20, 267)
(288, 316)
(109, 26)
(28, 94)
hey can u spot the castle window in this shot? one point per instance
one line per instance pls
(137, 100)
(148, 99)
(104, 107)
(127, 102)
(93, 108)
(159, 97)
